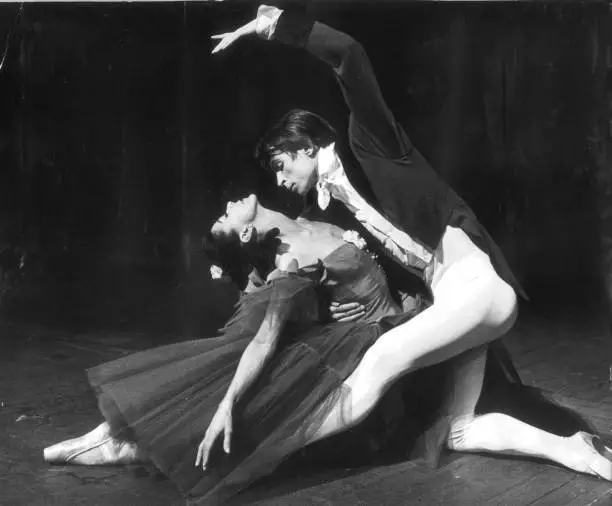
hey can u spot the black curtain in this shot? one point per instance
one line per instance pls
(120, 138)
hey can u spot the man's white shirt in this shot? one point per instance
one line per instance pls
(333, 182)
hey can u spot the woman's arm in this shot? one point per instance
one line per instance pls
(261, 348)
(252, 362)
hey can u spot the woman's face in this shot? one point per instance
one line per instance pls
(237, 215)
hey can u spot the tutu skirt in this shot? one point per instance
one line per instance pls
(165, 398)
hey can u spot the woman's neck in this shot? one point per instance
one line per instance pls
(267, 219)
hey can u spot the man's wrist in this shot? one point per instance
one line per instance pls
(267, 19)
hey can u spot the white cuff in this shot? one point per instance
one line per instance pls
(267, 19)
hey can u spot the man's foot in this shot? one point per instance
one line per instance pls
(593, 457)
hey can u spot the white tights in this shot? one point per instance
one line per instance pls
(472, 307)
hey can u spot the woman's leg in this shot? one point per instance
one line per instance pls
(472, 307)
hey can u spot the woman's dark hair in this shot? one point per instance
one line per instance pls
(238, 259)
(298, 129)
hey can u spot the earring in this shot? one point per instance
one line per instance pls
(246, 234)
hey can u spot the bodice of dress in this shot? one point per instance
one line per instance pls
(352, 275)
(349, 275)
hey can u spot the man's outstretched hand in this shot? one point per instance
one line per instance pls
(228, 38)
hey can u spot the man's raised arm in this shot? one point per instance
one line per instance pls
(372, 123)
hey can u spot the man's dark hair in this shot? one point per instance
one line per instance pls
(298, 129)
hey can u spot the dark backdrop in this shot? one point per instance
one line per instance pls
(120, 137)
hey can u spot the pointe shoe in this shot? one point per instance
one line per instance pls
(108, 452)
(60, 453)
(598, 461)
(95, 448)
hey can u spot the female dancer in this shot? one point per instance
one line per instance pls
(272, 380)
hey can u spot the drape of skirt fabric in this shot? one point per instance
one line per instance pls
(164, 398)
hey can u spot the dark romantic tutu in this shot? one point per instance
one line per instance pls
(164, 398)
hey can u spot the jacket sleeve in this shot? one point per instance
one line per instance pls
(372, 125)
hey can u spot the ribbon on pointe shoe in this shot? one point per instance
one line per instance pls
(60, 453)
(109, 451)
(95, 448)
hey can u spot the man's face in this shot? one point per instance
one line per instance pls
(295, 172)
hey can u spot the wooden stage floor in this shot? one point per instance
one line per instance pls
(44, 397)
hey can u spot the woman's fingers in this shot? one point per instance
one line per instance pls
(228, 434)
(203, 451)
(219, 423)
(205, 446)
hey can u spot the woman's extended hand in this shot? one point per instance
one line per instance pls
(227, 39)
(221, 422)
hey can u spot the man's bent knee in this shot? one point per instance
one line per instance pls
(506, 308)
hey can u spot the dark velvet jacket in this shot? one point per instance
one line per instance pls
(406, 189)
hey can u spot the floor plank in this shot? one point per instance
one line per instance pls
(44, 397)
(578, 491)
